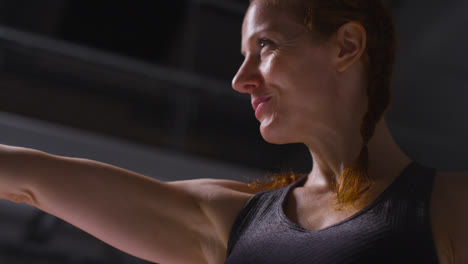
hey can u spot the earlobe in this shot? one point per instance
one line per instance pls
(351, 39)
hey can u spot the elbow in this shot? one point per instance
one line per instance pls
(23, 196)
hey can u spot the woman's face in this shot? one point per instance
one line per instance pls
(288, 74)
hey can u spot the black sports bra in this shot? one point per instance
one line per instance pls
(394, 228)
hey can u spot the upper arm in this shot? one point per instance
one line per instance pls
(456, 214)
(153, 220)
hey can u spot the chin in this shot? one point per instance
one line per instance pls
(275, 134)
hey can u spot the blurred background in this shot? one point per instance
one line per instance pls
(145, 85)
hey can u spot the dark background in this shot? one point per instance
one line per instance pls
(197, 43)
(145, 85)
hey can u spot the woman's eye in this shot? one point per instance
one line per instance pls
(264, 42)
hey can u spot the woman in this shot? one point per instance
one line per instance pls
(314, 70)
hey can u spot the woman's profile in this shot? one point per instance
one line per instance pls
(319, 73)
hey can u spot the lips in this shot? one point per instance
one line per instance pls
(258, 101)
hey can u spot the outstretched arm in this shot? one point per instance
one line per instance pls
(150, 219)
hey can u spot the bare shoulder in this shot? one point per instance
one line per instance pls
(450, 192)
(461, 174)
(450, 214)
(452, 186)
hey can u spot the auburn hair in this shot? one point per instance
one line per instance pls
(323, 18)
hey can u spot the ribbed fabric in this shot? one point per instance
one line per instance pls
(394, 228)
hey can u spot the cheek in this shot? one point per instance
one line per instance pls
(277, 72)
(308, 87)
(313, 73)
(299, 77)
(268, 66)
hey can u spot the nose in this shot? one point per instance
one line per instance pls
(247, 78)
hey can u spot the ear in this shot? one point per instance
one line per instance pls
(351, 44)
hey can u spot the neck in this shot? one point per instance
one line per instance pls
(386, 159)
